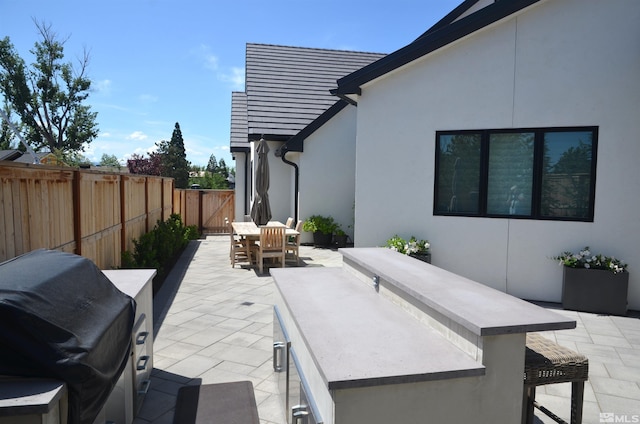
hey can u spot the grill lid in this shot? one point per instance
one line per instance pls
(61, 317)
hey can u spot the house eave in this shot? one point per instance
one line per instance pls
(269, 137)
(430, 42)
(296, 143)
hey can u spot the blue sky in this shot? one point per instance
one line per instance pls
(158, 62)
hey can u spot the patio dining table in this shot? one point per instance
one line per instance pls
(250, 232)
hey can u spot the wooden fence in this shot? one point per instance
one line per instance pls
(94, 214)
(207, 209)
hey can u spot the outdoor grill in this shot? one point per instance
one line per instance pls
(60, 317)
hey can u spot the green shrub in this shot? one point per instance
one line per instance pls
(192, 232)
(158, 248)
(322, 224)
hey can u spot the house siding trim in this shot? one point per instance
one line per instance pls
(430, 42)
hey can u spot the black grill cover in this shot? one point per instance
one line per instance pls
(61, 317)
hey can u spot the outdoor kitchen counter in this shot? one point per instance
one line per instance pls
(388, 338)
(32, 399)
(482, 310)
(360, 339)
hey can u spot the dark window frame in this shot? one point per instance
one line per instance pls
(538, 172)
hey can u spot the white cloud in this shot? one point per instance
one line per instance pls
(235, 77)
(208, 59)
(103, 86)
(145, 150)
(137, 135)
(211, 62)
(148, 98)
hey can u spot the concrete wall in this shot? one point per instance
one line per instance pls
(327, 174)
(560, 63)
(280, 196)
(241, 188)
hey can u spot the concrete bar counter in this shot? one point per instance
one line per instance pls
(387, 338)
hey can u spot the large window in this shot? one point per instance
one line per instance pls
(526, 173)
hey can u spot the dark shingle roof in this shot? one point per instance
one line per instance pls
(296, 143)
(287, 88)
(27, 158)
(238, 121)
(445, 32)
(10, 154)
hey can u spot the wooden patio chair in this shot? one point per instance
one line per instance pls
(289, 223)
(272, 245)
(238, 251)
(293, 243)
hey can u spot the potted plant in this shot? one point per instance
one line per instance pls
(419, 249)
(340, 237)
(322, 228)
(594, 282)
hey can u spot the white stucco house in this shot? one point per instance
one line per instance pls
(310, 133)
(472, 135)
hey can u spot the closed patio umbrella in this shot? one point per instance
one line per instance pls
(260, 210)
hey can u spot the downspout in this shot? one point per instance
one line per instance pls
(246, 184)
(283, 153)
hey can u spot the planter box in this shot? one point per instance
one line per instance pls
(340, 241)
(595, 290)
(321, 239)
(424, 258)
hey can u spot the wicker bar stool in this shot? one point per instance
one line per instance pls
(549, 363)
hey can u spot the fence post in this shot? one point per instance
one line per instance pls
(200, 211)
(77, 212)
(123, 231)
(146, 203)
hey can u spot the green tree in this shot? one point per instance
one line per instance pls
(110, 160)
(8, 139)
(49, 96)
(72, 158)
(212, 166)
(222, 169)
(174, 158)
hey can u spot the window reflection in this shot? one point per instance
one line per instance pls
(459, 170)
(546, 173)
(566, 178)
(510, 173)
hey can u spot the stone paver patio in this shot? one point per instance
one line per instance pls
(213, 324)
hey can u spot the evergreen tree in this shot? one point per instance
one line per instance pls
(174, 158)
(222, 169)
(212, 166)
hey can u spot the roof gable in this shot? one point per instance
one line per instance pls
(295, 143)
(448, 30)
(287, 88)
